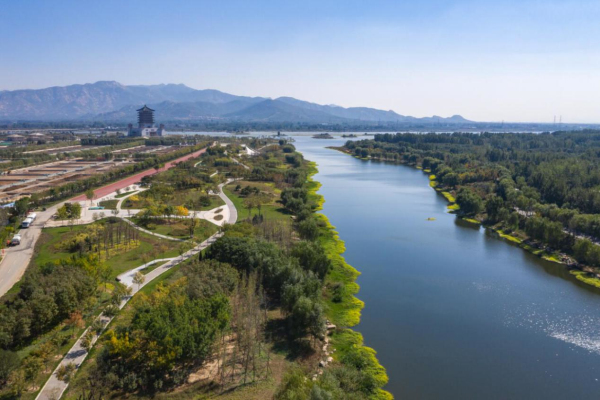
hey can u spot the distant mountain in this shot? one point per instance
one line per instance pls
(75, 101)
(280, 111)
(112, 101)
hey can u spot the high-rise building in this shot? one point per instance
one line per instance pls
(146, 127)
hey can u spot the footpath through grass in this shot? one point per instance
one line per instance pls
(180, 228)
(53, 245)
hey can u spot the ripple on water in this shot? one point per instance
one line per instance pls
(581, 330)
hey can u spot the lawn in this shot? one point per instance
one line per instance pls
(49, 248)
(272, 210)
(109, 204)
(188, 198)
(121, 195)
(179, 228)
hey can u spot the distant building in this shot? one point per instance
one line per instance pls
(38, 137)
(16, 138)
(146, 127)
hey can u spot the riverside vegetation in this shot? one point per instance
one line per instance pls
(247, 319)
(537, 190)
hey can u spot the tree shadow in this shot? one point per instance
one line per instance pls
(278, 332)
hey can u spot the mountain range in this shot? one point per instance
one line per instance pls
(111, 101)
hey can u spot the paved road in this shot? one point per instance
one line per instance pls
(17, 258)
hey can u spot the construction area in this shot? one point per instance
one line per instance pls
(38, 178)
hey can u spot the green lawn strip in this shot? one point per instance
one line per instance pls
(109, 204)
(179, 228)
(269, 211)
(152, 267)
(153, 246)
(267, 187)
(177, 198)
(121, 195)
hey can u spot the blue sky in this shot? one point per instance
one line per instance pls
(486, 60)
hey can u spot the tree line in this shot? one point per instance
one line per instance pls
(542, 185)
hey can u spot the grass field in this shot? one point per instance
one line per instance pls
(125, 194)
(272, 210)
(109, 204)
(177, 198)
(180, 229)
(49, 249)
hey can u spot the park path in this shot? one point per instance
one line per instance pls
(17, 258)
(54, 388)
(233, 215)
(235, 160)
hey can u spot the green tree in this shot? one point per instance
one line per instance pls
(470, 202)
(493, 205)
(312, 257)
(139, 279)
(90, 195)
(22, 206)
(9, 361)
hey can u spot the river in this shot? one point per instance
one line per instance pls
(454, 312)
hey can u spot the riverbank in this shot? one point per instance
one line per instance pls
(581, 273)
(343, 307)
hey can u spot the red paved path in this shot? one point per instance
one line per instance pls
(104, 190)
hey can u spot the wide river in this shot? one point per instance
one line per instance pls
(452, 311)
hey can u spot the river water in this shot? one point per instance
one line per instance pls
(452, 311)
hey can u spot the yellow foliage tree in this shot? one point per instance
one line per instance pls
(181, 211)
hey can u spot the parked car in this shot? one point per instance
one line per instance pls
(16, 240)
(26, 222)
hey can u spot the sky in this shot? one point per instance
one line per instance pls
(519, 61)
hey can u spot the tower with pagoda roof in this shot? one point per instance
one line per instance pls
(146, 127)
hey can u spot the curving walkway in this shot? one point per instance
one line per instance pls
(130, 222)
(16, 259)
(54, 388)
(230, 206)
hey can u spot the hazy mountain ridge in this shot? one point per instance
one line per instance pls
(112, 101)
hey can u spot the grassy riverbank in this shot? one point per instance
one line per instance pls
(344, 310)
